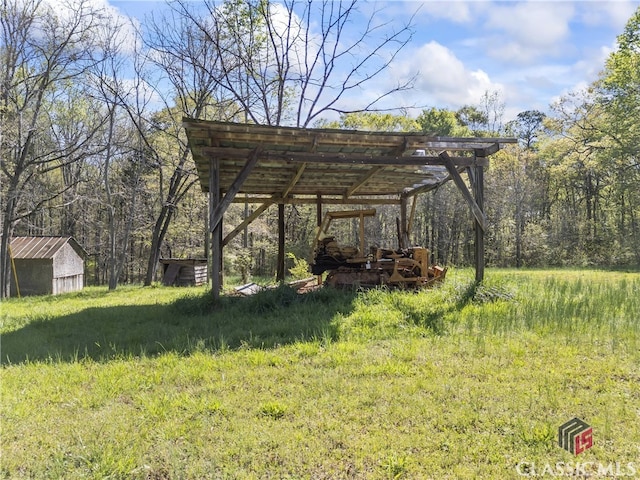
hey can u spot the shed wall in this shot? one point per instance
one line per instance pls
(67, 262)
(35, 277)
(72, 283)
(184, 273)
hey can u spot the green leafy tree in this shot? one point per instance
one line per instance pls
(373, 121)
(618, 91)
(580, 164)
(527, 127)
(443, 122)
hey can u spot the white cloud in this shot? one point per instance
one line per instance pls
(526, 31)
(591, 63)
(296, 39)
(457, 12)
(613, 14)
(443, 78)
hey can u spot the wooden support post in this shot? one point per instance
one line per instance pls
(361, 234)
(245, 233)
(412, 216)
(478, 184)
(318, 224)
(403, 241)
(207, 237)
(215, 263)
(280, 267)
(219, 230)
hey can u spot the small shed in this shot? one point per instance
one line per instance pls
(183, 272)
(46, 265)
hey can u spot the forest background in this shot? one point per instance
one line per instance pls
(91, 142)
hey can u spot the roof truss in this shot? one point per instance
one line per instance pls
(295, 165)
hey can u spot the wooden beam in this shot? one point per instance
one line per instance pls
(280, 266)
(487, 151)
(424, 188)
(457, 179)
(247, 221)
(338, 158)
(222, 206)
(294, 180)
(216, 231)
(362, 180)
(478, 187)
(389, 200)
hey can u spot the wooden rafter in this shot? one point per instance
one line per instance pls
(362, 180)
(294, 180)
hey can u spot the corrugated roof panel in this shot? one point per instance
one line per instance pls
(36, 247)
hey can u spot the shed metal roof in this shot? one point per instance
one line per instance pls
(41, 247)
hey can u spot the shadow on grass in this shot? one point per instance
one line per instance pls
(270, 318)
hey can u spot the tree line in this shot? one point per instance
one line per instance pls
(91, 143)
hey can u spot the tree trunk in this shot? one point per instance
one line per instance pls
(8, 226)
(5, 267)
(159, 231)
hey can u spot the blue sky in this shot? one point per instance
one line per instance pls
(531, 52)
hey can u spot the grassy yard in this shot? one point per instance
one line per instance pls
(457, 382)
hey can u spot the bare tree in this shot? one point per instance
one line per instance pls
(42, 51)
(189, 65)
(121, 160)
(292, 62)
(259, 62)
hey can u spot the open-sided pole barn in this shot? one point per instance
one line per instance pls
(280, 165)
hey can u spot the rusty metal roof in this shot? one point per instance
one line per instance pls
(41, 247)
(348, 165)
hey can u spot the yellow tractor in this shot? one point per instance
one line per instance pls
(353, 267)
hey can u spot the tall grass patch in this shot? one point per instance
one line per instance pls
(458, 382)
(595, 304)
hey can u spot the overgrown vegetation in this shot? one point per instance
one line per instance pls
(93, 144)
(464, 381)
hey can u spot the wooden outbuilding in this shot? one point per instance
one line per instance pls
(46, 265)
(272, 165)
(183, 272)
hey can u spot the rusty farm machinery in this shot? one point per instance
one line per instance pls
(353, 267)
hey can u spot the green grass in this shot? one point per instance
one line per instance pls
(463, 381)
